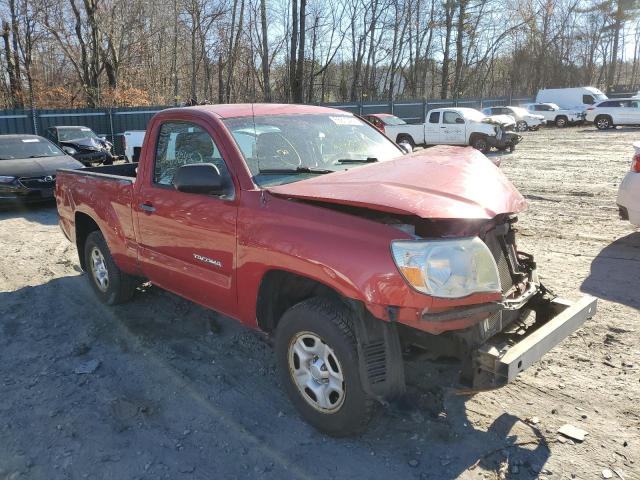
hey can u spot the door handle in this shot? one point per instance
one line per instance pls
(443, 127)
(147, 207)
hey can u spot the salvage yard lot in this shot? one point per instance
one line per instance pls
(180, 392)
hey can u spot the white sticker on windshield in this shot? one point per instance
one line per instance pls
(345, 120)
(30, 140)
(85, 129)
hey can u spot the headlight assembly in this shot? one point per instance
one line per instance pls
(4, 180)
(447, 268)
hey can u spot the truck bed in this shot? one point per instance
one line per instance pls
(128, 170)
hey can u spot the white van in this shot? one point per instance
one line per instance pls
(580, 97)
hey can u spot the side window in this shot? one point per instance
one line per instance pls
(588, 99)
(182, 143)
(434, 117)
(635, 103)
(452, 117)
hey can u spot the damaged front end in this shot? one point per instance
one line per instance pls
(508, 335)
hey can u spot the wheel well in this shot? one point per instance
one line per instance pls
(561, 116)
(404, 136)
(280, 290)
(603, 115)
(475, 135)
(84, 226)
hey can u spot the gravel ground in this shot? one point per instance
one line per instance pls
(180, 392)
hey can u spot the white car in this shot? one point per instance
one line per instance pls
(524, 120)
(619, 111)
(132, 143)
(450, 126)
(553, 114)
(629, 193)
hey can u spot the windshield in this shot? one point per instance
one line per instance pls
(281, 149)
(13, 148)
(393, 121)
(599, 96)
(75, 133)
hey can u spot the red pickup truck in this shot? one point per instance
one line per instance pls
(310, 225)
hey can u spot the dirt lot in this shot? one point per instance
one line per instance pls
(180, 392)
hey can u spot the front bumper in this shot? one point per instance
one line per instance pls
(501, 358)
(506, 140)
(90, 157)
(27, 190)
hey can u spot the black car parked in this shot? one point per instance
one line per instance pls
(28, 165)
(82, 143)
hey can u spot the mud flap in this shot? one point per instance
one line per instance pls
(379, 354)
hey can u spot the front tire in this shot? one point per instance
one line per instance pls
(522, 126)
(111, 285)
(603, 122)
(317, 360)
(480, 142)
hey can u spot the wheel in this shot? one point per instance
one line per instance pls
(561, 121)
(111, 285)
(522, 126)
(480, 143)
(603, 122)
(317, 361)
(406, 139)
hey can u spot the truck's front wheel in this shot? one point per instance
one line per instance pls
(111, 285)
(317, 361)
(479, 142)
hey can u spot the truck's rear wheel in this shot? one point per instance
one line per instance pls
(406, 139)
(111, 285)
(317, 361)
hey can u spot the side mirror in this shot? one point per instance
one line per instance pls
(202, 178)
(459, 120)
(405, 147)
(104, 139)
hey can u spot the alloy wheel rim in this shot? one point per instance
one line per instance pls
(316, 372)
(99, 269)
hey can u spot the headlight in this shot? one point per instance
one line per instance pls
(4, 179)
(69, 150)
(447, 268)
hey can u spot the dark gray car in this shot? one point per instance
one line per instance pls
(28, 165)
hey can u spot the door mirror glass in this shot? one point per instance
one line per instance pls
(204, 178)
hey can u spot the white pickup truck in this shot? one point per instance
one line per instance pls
(132, 144)
(452, 126)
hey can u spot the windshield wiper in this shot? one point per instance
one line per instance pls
(358, 160)
(39, 156)
(275, 171)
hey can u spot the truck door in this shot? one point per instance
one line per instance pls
(454, 128)
(187, 241)
(433, 130)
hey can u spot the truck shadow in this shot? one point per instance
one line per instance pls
(44, 213)
(186, 361)
(615, 271)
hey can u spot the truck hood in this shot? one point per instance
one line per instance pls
(36, 167)
(437, 183)
(504, 120)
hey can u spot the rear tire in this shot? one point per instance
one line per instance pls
(603, 122)
(522, 126)
(406, 139)
(111, 285)
(561, 121)
(317, 360)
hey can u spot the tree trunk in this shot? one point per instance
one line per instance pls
(294, 48)
(448, 10)
(265, 52)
